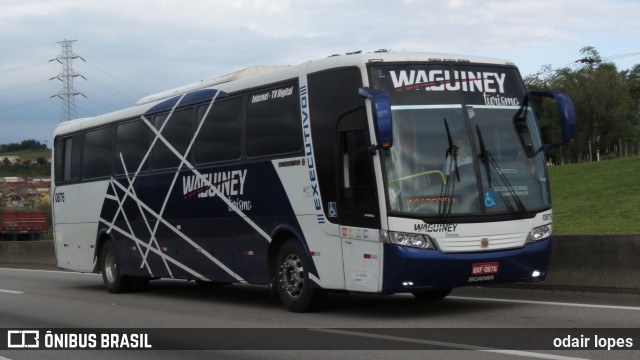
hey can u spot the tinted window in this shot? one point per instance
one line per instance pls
(68, 151)
(132, 144)
(219, 138)
(67, 158)
(178, 131)
(273, 121)
(98, 152)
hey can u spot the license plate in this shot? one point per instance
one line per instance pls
(485, 268)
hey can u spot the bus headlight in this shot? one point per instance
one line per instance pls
(412, 240)
(539, 233)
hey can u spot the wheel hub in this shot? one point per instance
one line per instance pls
(110, 266)
(291, 275)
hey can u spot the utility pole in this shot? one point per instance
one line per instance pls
(68, 93)
(590, 61)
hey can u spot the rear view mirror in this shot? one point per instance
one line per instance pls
(566, 115)
(381, 108)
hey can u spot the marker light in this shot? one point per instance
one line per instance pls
(535, 273)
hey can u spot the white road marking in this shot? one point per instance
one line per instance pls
(552, 303)
(10, 291)
(448, 345)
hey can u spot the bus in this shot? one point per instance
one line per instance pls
(375, 173)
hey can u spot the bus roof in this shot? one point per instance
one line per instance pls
(255, 70)
(261, 75)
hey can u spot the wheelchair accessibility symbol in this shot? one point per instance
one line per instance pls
(333, 210)
(490, 199)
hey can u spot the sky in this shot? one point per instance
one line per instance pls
(133, 48)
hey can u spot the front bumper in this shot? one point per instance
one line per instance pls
(409, 269)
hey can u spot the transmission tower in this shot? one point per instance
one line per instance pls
(68, 93)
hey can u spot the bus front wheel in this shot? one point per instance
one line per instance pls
(292, 279)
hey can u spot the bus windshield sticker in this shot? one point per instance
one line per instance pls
(433, 84)
(442, 80)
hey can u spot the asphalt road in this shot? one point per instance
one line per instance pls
(242, 322)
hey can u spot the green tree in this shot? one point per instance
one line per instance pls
(606, 111)
(31, 144)
(633, 80)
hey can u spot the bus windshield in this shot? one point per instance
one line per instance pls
(465, 142)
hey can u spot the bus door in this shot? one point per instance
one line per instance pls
(357, 208)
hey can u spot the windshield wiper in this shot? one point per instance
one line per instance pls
(489, 162)
(445, 205)
(451, 153)
(485, 155)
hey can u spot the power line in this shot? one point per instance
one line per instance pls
(94, 64)
(587, 60)
(102, 100)
(119, 63)
(68, 93)
(620, 56)
(28, 104)
(24, 86)
(23, 67)
(24, 47)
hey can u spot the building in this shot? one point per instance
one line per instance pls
(17, 192)
(13, 160)
(11, 179)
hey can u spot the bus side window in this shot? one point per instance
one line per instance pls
(132, 144)
(273, 124)
(68, 151)
(67, 158)
(220, 137)
(178, 131)
(98, 153)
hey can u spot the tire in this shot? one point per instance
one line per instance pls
(111, 268)
(432, 294)
(292, 279)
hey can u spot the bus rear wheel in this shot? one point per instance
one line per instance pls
(111, 269)
(292, 279)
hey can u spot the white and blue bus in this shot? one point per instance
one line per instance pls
(378, 173)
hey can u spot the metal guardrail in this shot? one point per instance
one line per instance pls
(578, 262)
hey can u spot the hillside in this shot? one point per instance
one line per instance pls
(30, 170)
(28, 154)
(597, 198)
